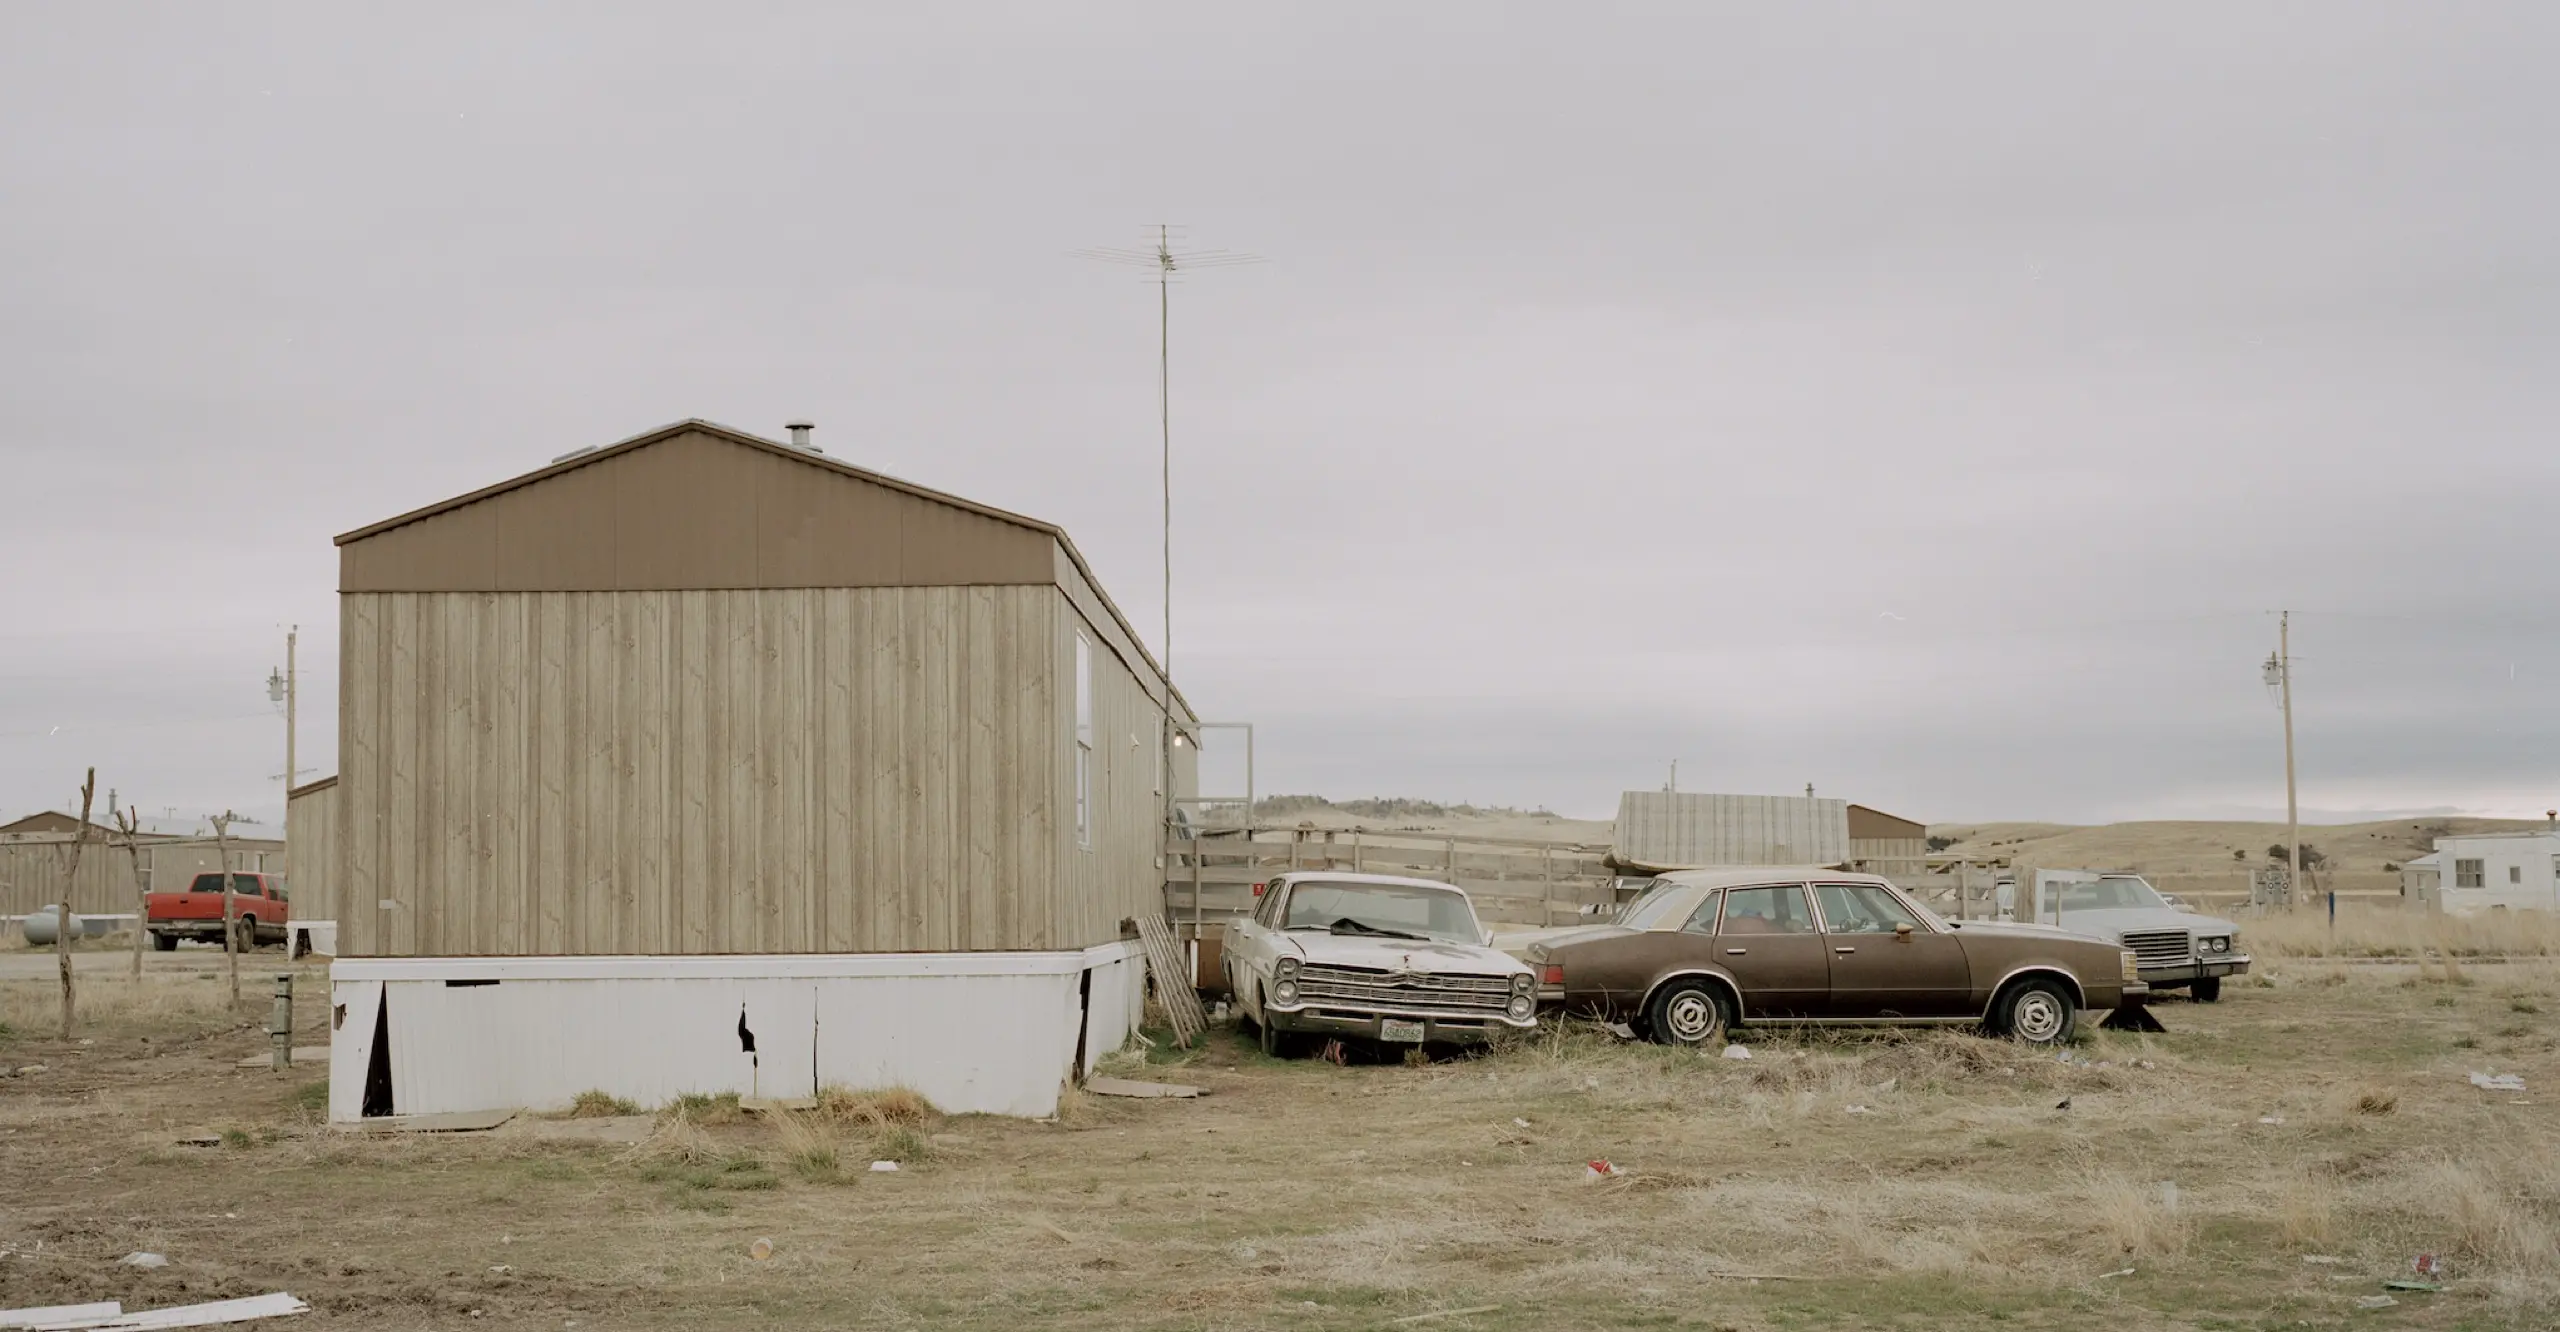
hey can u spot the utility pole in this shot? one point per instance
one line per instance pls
(282, 688)
(2279, 676)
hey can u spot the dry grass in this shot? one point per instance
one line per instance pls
(2375, 932)
(158, 1000)
(874, 1109)
(593, 1104)
(808, 1146)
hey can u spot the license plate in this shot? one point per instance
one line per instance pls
(1392, 1029)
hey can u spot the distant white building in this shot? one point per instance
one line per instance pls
(2517, 871)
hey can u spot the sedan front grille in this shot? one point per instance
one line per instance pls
(1374, 987)
(2160, 948)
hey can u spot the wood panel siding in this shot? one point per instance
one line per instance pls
(1874, 825)
(311, 846)
(1118, 872)
(781, 770)
(697, 508)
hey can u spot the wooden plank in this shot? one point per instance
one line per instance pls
(647, 834)
(941, 792)
(736, 895)
(691, 773)
(978, 889)
(549, 916)
(833, 758)
(1173, 980)
(361, 670)
(915, 730)
(509, 786)
(789, 813)
(400, 759)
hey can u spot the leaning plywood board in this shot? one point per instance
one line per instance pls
(1173, 979)
(215, 1314)
(59, 1315)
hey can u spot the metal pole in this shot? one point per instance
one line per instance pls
(1164, 416)
(289, 698)
(2292, 814)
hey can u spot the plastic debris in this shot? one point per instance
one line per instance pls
(2484, 1081)
(1519, 1123)
(2429, 1287)
(1600, 1169)
(501, 1268)
(2376, 1302)
(2427, 1265)
(2169, 1195)
(760, 1250)
(2125, 1273)
(1858, 1110)
(2322, 1259)
(1736, 1052)
(2063, 1104)
(139, 1258)
(2270, 1119)
(884, 1167)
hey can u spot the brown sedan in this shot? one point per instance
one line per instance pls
(1723, 948)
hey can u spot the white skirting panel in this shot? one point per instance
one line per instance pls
(991, 1033)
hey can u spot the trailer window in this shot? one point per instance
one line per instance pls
(2469, 874)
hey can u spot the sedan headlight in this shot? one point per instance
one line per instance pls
(2132, 964)
(1285, 990)
(1284, 969)
(1524, 982)
(1522, 1006)
(2220, 943)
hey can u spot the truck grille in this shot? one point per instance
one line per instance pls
(2160, 948)
(1370, 987)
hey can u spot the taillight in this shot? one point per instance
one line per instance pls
(1257, 889)
(1551, 974)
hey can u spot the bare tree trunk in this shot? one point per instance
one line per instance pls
(130, 821)
(230, 904)
(70, 889)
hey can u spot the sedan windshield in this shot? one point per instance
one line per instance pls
(1391, 909)
(2115, 893)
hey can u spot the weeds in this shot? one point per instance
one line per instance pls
(2376, 1101)
(904, 1145)
(312, 1098)
(874, 1109)
(809, 1152)
(597, 1104)
(704, 1109)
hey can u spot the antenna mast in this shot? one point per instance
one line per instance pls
(1168, 263)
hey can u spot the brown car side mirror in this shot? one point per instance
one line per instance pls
(1902, 931)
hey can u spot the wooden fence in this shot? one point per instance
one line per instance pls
(1210, 878)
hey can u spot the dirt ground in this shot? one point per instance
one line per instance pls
(2272, 1160)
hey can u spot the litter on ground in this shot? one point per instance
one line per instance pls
(1600, 1169)
(2497, 1081)
(1736, 1052)
(140, 1258)
(884, 1167)
(2376, 1302)
(111, 1316)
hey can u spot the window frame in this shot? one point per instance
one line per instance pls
(2471, 872)
(1803, 893)
(1918, 922)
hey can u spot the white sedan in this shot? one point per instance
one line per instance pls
(1400, 961)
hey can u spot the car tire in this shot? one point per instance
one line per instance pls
(1276, 1044)
(245, 934)
(163, 942)
(2206, 990)
(2038, 1011)
(1688, 1012)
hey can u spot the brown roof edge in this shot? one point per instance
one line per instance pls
(718, 431)
(321, 784)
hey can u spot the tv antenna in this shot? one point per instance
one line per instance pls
(1168, 263)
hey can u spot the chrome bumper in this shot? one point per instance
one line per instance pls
(2214, 964)
(1437, 1028)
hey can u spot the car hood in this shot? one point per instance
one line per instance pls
(1354, 950)
(2112, 923)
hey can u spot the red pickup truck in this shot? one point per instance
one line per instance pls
(259, 906)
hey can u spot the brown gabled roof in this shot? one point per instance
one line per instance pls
(696, 425)
(316, 784)
(1145, 664)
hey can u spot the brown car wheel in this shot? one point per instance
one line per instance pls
(1688, 1012)
(2039, 1012)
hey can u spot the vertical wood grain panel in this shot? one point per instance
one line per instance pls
(692, 775)
(604, 779)
(884, 895)
(835, 756)
(740, 688)
(400, 757)
(505, 781)
(648, 834)
(553, 890)
(979, 890)
(788, 716)
(362, 668)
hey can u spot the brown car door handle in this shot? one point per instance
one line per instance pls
(1844, 950)
(1736, 952)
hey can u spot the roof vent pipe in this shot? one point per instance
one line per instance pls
(800, 436)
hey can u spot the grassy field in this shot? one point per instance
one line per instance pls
(1914, 1181)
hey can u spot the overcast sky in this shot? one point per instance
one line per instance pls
(1928, 403)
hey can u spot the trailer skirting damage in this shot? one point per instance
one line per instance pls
(990, 1033)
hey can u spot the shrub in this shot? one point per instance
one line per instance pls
(597, 1104)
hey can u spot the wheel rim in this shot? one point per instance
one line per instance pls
(1690, 1016)
(2037, 1016)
